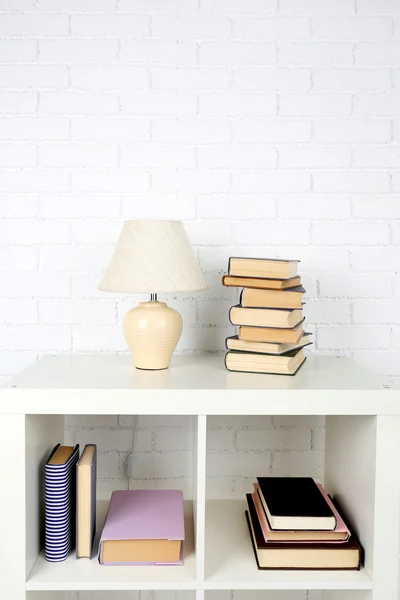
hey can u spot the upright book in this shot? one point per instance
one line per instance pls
(276, 555)
(271, 268)
(60, 498)
(295, 503)
(86, 501)
(143, 527)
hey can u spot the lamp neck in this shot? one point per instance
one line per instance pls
(153, 298)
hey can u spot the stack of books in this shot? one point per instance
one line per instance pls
(270, 320)
(70, 502)
(294, 524)
(142, 527)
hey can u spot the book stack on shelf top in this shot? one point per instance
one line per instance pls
(270, 320)
(294, 524)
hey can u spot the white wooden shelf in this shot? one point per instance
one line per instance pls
(96, 384)
(361, 469)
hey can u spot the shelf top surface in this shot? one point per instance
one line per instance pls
(95, 379)
(188, 373)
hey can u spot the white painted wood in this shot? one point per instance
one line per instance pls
(85, 574)
(350, 450)
(194, 385)
(340, 595)
(46, 595)
(12, 507)
(386, 515)
(200, 594)
(42, 433)
(230, 562)
(200, 503)
(362, 446)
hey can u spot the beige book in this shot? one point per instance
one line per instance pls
(262, 267)
(261, 282)
(292, 298)
(141, 551)
(248, 362)
(234, 343)
(265, 317)
(86, 502)
(271, 334)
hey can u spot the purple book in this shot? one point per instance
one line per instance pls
(144, 515)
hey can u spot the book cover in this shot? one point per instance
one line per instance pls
(86, 487)
(265, 283)
(265, 298)
(264, 364)
(295, 503)
(280, 318)
(279, 349)
(273, 268)
(144, 515)
(339, 535)
(60, 493)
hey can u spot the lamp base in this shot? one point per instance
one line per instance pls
(152, 331)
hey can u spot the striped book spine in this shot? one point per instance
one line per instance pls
(60, 509)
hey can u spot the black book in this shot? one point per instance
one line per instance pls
(295, 503)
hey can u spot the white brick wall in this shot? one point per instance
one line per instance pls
(271, 127)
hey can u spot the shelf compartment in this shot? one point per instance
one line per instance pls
(84, 574)
(230, 562)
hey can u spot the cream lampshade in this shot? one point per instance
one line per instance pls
(153, 257)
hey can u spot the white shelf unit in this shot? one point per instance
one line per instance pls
(362, 449)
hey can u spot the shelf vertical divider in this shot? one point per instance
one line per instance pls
(13, 564)
(386, 513)
(199, 501)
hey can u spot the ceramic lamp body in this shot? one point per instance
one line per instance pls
(152, 331)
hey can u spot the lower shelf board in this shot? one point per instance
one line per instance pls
(230, 562)
(85, 574)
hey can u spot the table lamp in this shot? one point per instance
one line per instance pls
(153, 257)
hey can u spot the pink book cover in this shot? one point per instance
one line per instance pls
(144, 515)
(341, 526)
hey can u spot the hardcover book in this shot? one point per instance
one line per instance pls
(234, 343)
(60, 494)
(300, 556)
(272, 268)
(340, 534)
(295, 503)
(249, 362)
(261, 282)
(265, 317)
(271, 334)
(255, 298)
(86, 501)
(143, 527)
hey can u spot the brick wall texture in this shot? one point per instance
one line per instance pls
(270, 127)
